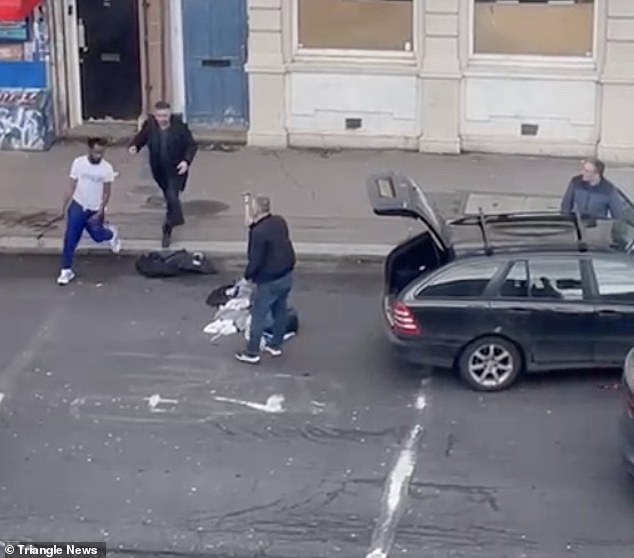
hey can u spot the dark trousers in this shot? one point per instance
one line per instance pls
(269, 297)
(172, 185)
(79, 220)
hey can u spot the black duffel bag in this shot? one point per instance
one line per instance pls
(156, 264)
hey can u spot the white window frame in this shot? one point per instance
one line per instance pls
(531, 60)
(302, 54)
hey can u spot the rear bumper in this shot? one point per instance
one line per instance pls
(420, 353)
(627, 442)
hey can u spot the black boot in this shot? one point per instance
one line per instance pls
(167, 237)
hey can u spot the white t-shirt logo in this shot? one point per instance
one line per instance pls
(90, 180)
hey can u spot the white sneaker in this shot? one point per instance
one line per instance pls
(271, 350)
(115, 241)
(65, 277)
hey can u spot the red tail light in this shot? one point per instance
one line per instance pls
(403, 321)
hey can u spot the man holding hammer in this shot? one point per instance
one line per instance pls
(271, 261)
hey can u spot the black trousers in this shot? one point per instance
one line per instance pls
(172, 185)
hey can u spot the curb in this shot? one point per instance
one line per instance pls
(230, 253)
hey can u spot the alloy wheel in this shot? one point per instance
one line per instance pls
(491, 365)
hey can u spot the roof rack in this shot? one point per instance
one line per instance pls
(484, 222)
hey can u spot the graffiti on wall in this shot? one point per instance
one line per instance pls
(26, 119)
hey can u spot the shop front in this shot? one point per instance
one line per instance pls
(548, 77)
(26, 99)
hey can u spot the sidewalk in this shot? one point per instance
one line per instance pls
(321, 193)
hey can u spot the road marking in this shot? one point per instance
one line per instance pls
(397, 484)
(155, 400)
(273, 403)
(1, 397)
(24, 359)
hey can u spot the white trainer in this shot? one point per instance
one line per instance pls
(115, 241)
(65, 276)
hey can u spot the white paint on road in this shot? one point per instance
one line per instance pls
(155, 400)
(75, 405)
(421, 402)
(1, 397)
(274, 404)
(396, 486)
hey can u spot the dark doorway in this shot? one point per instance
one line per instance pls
(109, 58)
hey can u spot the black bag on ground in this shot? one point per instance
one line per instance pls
(156, 264)
(219, 296)
(292, 325)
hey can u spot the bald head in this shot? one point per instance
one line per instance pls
(260, 206)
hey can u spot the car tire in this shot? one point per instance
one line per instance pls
(490, 363)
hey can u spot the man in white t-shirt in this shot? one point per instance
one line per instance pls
(85, 204)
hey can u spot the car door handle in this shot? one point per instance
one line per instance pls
(518, 310)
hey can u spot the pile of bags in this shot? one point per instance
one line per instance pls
(233, 315)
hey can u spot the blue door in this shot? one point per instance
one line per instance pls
(215, 49)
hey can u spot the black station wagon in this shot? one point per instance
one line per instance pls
(494, 296)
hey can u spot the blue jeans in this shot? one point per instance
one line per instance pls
(79, 219)
(271, 297)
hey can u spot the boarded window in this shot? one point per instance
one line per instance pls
(534, 27)
(356, 24)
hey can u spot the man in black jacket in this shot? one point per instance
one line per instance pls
(271, 263)
(172, 149)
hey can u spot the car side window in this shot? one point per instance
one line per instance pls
(515, 284)
(556, 279)
(468, 280)
(615, 280)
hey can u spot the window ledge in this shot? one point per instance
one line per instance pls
(542, 63)
(372, 67)
(531, 68)
(354, 60)
(396, 56)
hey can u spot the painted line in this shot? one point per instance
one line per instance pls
(396, 486)
(1, 397)
(25, 358)
(273, 403)
(155, 400)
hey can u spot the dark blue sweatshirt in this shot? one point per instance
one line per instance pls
(597, 201)
(271, 252)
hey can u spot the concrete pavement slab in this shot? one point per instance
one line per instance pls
(322, 193)
(120, 421)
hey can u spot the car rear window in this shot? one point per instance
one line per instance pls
(556, 279)
(544, 279)
(615, 280)
(468, 280)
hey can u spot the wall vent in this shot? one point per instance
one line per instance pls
(529, 129)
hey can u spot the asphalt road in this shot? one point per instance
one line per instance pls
(120, 421)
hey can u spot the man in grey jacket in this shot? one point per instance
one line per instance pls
(591, 194)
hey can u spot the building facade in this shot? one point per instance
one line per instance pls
(113, 59)
(552, 77)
